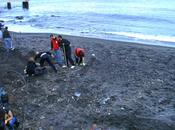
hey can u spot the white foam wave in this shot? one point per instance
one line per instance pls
(145, 37)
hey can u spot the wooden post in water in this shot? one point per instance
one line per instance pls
(9, 5)
(25, 4)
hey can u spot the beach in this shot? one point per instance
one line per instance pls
(124, 86)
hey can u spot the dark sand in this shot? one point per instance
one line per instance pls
(126, 86)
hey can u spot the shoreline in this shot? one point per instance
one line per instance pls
(111, 41)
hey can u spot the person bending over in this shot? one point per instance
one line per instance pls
(45, 57)
(79, 56)
(10, 119)
(33, 69)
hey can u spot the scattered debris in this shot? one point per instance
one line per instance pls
(77, 94)
(93, 55)
(122, 108)
(105, 100)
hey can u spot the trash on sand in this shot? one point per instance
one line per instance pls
(93, 55)
(53, 89)
(72, 67)
(122, 108)
(42, 117)
(40, 128)
(77, 94)
(105, 100)
(64, 80)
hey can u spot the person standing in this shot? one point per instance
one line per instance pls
(55, 47)
(66, 47)
(7, 40)
(79, 56)
(45, 57)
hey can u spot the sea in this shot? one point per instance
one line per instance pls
(142, 21)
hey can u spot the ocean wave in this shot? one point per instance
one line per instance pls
(140, 18)
(133, 17)
(145, 37)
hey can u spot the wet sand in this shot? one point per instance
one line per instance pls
(126, 86)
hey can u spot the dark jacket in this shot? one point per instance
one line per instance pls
(31, 66)
(42, 55)
(6, 34)
(65, 43)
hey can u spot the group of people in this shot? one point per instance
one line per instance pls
(5, 38)
(61, 52)
(60, 45)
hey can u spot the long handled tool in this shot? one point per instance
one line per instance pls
(65, 58)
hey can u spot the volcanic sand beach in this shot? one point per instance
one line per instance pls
(125, 86)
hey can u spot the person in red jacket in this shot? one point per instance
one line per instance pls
(55, 47)
(79, 56)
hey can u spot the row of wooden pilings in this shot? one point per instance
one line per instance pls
(25, 5)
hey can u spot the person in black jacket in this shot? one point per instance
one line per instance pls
(33, 69)
(65, 45)
(45, 57)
